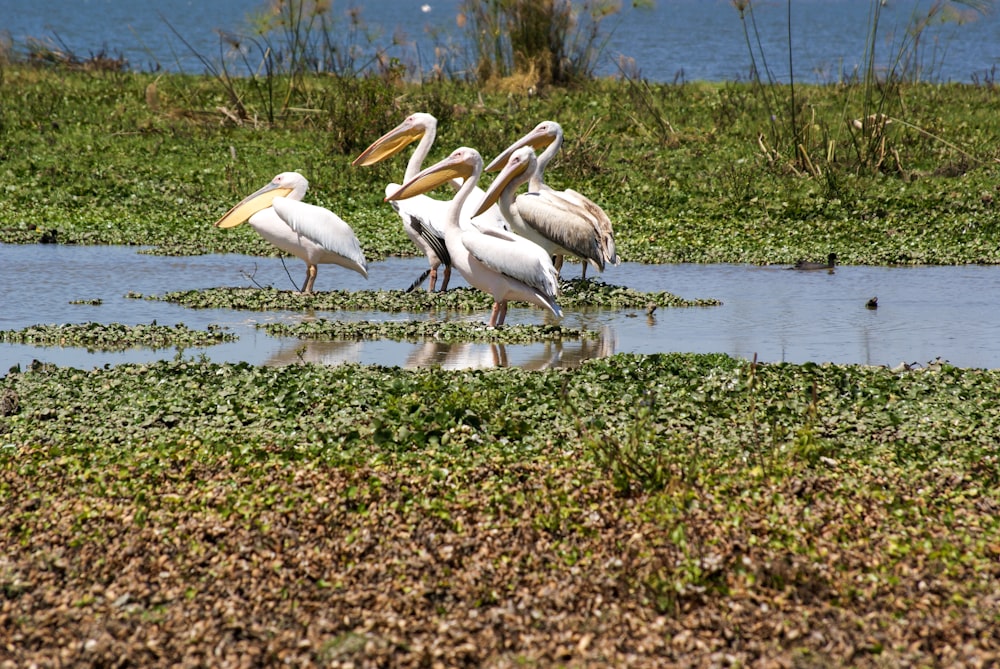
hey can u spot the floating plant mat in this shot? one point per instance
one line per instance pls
(575, 294)
(115, 336)
(417, 330)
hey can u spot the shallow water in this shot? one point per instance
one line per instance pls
(778, 315)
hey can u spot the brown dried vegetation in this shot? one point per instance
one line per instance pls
(167, 553)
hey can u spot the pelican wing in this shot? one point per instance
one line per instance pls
(569, 226)
(513, 256)
(429, 210)
(321, 226)
(601, 219)
(425, 228)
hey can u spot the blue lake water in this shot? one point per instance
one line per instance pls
(672, 40)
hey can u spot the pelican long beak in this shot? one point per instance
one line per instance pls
(251, 204)
(511, 171)
(389, 144)
(535, 139)
(450, 168)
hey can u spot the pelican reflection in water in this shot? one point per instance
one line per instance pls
(538, 356)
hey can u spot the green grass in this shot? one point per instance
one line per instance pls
(115, 336)
(573, 293)
(698, 189)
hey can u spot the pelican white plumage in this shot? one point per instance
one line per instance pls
(314, 234)
(547, 137)
(420, 214)
(555, 224)
(498, 262)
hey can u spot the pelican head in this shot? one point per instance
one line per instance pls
(543, 134)
(462, 164)
(413, 127)
(518, 170)
(286, 184)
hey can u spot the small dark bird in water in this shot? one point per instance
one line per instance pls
(831, 261)
(872, 303)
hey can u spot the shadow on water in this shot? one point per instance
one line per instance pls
(924, 312)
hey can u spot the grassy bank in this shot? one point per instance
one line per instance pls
(686, 172)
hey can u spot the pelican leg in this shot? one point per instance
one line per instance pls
(584, 275)
(493, 315)
(447, 276)
(307, 287)
(434, 278)
(503, 313)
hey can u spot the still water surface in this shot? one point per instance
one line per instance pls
(671, 40)
(779, 315)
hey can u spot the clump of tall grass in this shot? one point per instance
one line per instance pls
(51, 52)
(266, 70)
(552, 41)
(305, 36)
(795, 138)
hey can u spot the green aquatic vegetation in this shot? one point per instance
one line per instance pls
(583, 293)
(868, 413)
(575, 294)
(418, 330)
(271, 299)
(116, 336)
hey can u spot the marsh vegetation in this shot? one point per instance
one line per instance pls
(688, 509)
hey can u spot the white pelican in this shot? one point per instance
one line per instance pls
(555, 224)
(498, 262)
(547, 136)
(312, 233)
(421, 214)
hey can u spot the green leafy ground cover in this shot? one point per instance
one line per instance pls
(679, 168)
(573, 294)
(640, 510)
(115, 336)
(408, 330)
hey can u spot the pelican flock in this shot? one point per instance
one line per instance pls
(422, 215)
(314, 234)
(555, 224)
(498, 262)
(505, 244)
(579, 218)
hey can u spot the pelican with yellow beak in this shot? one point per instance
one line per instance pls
(547, 137)
(421, 214)
(315, 234)
(555, 224)
(498, 262)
